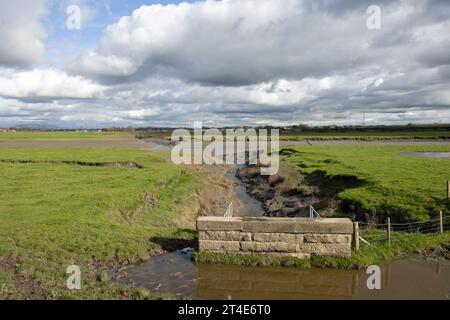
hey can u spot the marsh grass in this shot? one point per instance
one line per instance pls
(55, 215)
(376, 180)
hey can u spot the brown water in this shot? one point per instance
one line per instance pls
(175, 274)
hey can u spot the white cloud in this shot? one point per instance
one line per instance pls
(93, 63)
(22, 36)
(248, 62)
(222, 42)
(241, 42)
(46, 83)
(142, 113)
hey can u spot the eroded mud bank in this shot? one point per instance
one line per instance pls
(282, 195)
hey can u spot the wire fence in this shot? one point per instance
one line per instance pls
(376, 233)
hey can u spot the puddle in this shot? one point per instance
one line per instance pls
(160, 147)
(171, 273)
(176, 275)
(436, 155)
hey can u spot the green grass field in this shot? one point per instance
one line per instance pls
(377, 179)
(61, 135)
(56, 215)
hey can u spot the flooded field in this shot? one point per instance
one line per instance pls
(174, 274)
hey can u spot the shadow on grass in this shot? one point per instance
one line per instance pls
(331, 185)
(183, 238)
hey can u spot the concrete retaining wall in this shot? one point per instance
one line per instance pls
(297, 237)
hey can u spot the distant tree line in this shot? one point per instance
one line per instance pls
(143, 132)
(304, 128)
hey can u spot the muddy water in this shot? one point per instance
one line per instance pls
(174, 274)
(252, 207)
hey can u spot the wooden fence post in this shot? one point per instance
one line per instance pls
(389, 230)
(448, 189)
(441, 222)
(356, 235)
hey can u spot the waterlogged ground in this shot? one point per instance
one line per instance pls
(175, 275)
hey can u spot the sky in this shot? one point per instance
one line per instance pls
(225, 63)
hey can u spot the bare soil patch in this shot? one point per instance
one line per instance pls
(26, 287)
(214, 196)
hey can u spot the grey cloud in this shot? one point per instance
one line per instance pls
(262, 41)
(22, 36)
(253, 62)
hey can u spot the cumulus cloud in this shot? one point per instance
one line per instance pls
(228, 42)
(46, 83)
(250, 62)
(22, 36)
(233, 43)
(93, 63)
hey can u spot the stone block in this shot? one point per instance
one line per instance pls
(269, 247)
(277, 237)
(218, 246)
(224, 235)
(328, 238)
(297, 225)
(327, 249)
(291, 237)
(219, 224)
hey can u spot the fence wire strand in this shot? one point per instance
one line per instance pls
(378, 232)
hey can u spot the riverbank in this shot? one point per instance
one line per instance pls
(363, 182)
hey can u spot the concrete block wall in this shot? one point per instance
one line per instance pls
(296, 237)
